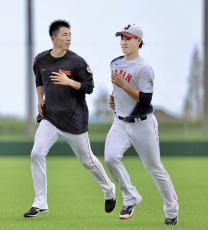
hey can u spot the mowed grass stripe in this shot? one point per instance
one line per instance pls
(76, 201)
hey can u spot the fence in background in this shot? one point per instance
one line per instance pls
(168, 148)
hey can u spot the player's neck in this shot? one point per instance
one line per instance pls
(57, 52)
(132, 56)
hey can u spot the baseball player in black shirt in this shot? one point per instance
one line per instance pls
(62, 80)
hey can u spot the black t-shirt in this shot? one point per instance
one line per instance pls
(64, 107)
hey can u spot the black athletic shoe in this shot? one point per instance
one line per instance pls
(34, 212)
(110, 205)
(171, 221)
(126, 212)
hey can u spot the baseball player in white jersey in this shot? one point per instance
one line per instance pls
(135, 125)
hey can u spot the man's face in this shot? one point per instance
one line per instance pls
(129, 45)
(62, 38)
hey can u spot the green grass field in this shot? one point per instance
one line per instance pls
(76, 202)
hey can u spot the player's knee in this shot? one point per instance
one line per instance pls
(34, 155)
(110, 159)
(38, 151)
(86, 160)
(37, 154)
(87, 163)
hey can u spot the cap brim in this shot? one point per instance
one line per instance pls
(125, 34)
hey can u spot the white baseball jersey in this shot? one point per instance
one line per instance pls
(141, 134)
(138, 74)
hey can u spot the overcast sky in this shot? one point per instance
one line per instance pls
(171, 31)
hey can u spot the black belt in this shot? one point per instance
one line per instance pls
(131, 119)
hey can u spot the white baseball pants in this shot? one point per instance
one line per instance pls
(46, 135)
(143, 136)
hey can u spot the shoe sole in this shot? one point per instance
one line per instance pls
(171, 224)
(36, 214)
(126, 217)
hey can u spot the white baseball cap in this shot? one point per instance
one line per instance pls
(131, 31)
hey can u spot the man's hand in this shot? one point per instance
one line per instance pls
(111, 102)
(130, 90)
(60, 78)
(40, 106)
(118, 80)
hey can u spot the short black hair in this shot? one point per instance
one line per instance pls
(141, 44)
(56, 25)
